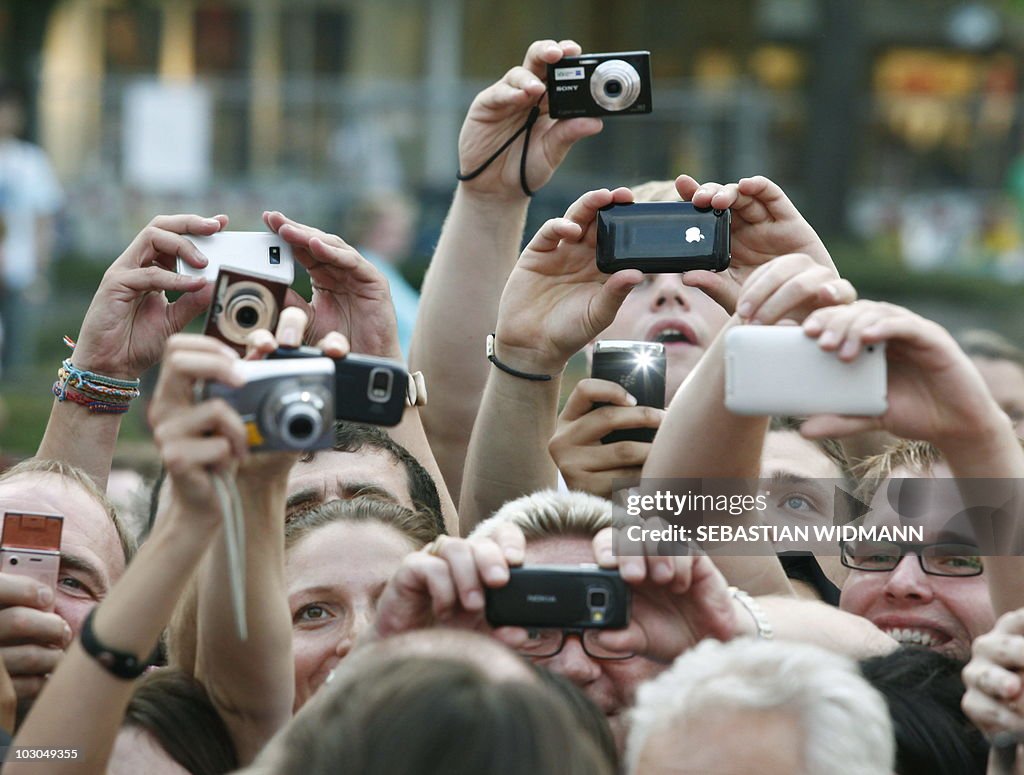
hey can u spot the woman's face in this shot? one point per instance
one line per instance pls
(335, 575)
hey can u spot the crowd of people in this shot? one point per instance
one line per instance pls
(366, 645)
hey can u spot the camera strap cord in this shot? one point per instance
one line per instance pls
(527, 127)
(234, 539)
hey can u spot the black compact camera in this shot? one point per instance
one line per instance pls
(600, 85)
(640, 368)
(241, 304)
(291, 400)
(662, 237)
(565, 596)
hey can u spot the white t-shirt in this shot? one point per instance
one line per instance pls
(29, 189)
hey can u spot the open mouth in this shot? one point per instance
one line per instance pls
(672, 336)
(675, 333)
(918, 636)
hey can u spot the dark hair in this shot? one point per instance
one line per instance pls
(175, 709)
(923, 689)
(589, 717)
(417, 715)
(353, 437)
(418, 527)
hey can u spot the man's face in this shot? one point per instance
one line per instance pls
(943, 613)
(91, 555)
(333, 475)
(335, 575)
(1005, 380)
(662, 309)
(610, 684)
(800, 480)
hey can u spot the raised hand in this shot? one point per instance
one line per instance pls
(501, 109)
(130, 319)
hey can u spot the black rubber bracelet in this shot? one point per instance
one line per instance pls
(508, 369)
(120, 664)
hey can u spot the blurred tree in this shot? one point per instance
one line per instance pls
(25, 26)
(836, 118)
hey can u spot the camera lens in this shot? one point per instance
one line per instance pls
(301, 427)
(246, 316)
(379, 389)
(297, 412)
(247, 305)
(14, 561)
(301, 422)
(615, 85)
(597, 598)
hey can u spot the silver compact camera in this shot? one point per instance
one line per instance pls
(285, 404)
(600, 85)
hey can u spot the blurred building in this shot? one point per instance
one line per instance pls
(150, 106)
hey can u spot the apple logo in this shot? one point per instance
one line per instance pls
(693, 234)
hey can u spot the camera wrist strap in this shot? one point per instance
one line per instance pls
(234, 540)
(527, 127)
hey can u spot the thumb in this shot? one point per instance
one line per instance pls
(186, 307)
(718, 286)
(606, 302)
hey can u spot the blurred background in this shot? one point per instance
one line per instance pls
(895, 125)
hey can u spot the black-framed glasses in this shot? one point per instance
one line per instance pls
(545, 643)
(935, 559)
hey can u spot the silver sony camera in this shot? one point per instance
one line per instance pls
(285, 404)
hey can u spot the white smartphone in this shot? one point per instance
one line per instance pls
(30, 546)
(251, 252)
(779, 370)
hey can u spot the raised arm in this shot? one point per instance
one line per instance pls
(124, 332)
(555, 302)
(351, 297)
(479, 244)
(937, 395)
(83, 703)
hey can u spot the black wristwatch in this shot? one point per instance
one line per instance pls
(118, 663)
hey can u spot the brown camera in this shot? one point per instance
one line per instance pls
(241, 304)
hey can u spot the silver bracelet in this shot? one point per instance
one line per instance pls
(764, 627)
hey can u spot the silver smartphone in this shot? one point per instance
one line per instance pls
(779, 370)
(258, 253)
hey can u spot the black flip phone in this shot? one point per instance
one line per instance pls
(367, 388)
(662, 237)
(566, 596)
(640, 368)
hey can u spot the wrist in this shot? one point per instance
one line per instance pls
(491, 203)
(529, 360)
(989, 448)
(86, 362)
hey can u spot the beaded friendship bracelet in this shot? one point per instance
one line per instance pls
(96, 392)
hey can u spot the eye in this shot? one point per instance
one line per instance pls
(74, 587)
(313, 614)
(796, 501)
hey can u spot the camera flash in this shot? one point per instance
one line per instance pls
(597, 616)
(643, 360)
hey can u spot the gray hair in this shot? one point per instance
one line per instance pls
(549, 514)
(845, 722)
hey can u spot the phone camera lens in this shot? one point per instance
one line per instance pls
(871, 348)
(597, 598)
(379, 389)
(14, 561)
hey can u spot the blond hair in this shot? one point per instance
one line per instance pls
(549, 514)
(35, 465)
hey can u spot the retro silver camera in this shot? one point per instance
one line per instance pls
(285, 404)
(600, 85)
(241, 304)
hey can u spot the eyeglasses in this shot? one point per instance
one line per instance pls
(549, 642)
(935, 559)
